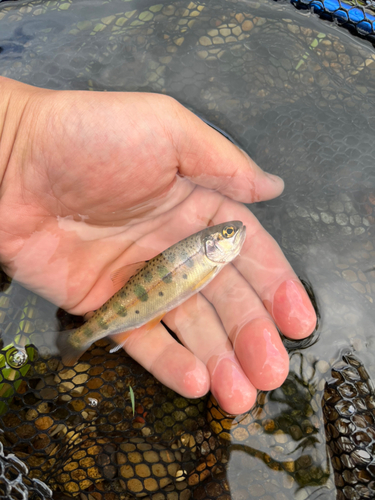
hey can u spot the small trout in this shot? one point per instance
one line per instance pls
(163, 283)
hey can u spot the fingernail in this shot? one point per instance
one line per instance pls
(275, 178)
(293, 311)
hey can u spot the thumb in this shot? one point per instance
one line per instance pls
(210, 160)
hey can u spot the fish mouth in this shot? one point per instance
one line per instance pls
(239, 238)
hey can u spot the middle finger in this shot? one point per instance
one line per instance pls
(253, 334)
(197, 325)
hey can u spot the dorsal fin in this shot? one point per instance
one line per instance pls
(122, 275)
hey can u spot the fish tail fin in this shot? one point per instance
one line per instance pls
(69, 354)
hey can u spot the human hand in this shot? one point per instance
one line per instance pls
(94, 181)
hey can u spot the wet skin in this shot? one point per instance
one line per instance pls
(94, 181)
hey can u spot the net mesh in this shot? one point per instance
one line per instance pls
(348, 408)
(78, 430)
(356, 15)
(15, 482)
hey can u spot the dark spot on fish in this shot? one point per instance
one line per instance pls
(102, 323)
(74, 342)
(120, 309)
(170, 256)
(136, 312)
(87, 332)
(187, 260)
(161, 294)
(147, 276)
(141, 293)
(184, 255)
(184, 276)
(164, 274)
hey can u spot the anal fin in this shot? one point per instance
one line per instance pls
(120, 338)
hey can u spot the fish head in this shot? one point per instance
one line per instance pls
(222, 243)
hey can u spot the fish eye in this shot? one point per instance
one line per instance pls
(228, 232)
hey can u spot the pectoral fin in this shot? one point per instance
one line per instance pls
(205, 280)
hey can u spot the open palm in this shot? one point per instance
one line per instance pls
(96, 181)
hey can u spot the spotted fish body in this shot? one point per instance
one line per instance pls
(163, 283)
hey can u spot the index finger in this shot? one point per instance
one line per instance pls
(263, 264)
(212, 161)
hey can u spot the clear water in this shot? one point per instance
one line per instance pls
(298, 94)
